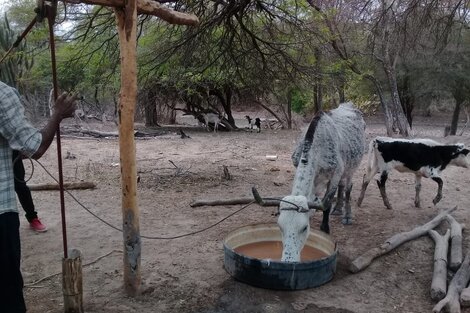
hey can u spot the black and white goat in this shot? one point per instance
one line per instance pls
(254, 122)
(326, 158)
(423, 157)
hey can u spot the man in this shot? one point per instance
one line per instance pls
(24, 194)
(17, 134)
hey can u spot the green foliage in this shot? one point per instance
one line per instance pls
(301, 100)
(16, 62)
(260, 49)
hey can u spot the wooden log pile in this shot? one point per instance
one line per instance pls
(451, 296)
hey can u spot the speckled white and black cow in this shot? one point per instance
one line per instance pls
(326, 158)
(423, 157)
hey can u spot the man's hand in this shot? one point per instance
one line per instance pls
(65, 105)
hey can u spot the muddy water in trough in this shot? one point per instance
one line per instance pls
(273, 250)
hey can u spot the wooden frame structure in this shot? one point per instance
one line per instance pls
(126, 19)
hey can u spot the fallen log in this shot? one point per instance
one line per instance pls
(439, 276)
(460, 280)
(456, 243)
(68, 186)
(366, 259)
(234, 201)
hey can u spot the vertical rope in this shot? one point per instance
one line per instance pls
(50, 19)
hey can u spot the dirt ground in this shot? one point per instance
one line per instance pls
(187, 274)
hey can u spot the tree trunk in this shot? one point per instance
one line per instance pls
(342, 97)
(225, 99)
(150, 108)
(388, 116)
(317, 89)
(395, 104)
(289, 109)
(228, 106)
(407, 99)
(455, 116)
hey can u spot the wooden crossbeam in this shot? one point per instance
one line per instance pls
(148, 7)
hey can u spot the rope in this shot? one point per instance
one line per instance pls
(144, 236)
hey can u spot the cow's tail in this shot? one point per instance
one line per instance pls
(371, 168)
(372, 156)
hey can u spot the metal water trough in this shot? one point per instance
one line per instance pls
(276, 274)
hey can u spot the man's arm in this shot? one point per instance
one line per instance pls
(64, 107)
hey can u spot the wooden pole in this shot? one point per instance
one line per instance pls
(126, 19)
(72, 282)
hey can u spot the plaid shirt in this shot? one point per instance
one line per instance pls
(16, 133)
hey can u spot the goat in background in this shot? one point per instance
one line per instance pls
(254, 122)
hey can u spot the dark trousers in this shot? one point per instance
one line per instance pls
(11, 281)
(21, 189)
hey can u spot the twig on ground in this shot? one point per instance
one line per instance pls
(32, 284)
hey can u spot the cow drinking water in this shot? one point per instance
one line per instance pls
(326, 158)
(423, 157)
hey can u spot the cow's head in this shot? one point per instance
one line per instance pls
(460, 158)
(294, 222)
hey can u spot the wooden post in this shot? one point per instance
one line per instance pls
(72, 282)
(126, 19)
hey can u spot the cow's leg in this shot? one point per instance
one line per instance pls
(327, 199)
(338, 209)
(325, 223)
(371, 171)
(418, 189)
(347, 218)
(439, 182)
(381, 184)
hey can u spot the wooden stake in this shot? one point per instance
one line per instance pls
(366, 259)
(127, 30)
(439, 276)
(72, 282)
(452, 301)
(456, 243)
